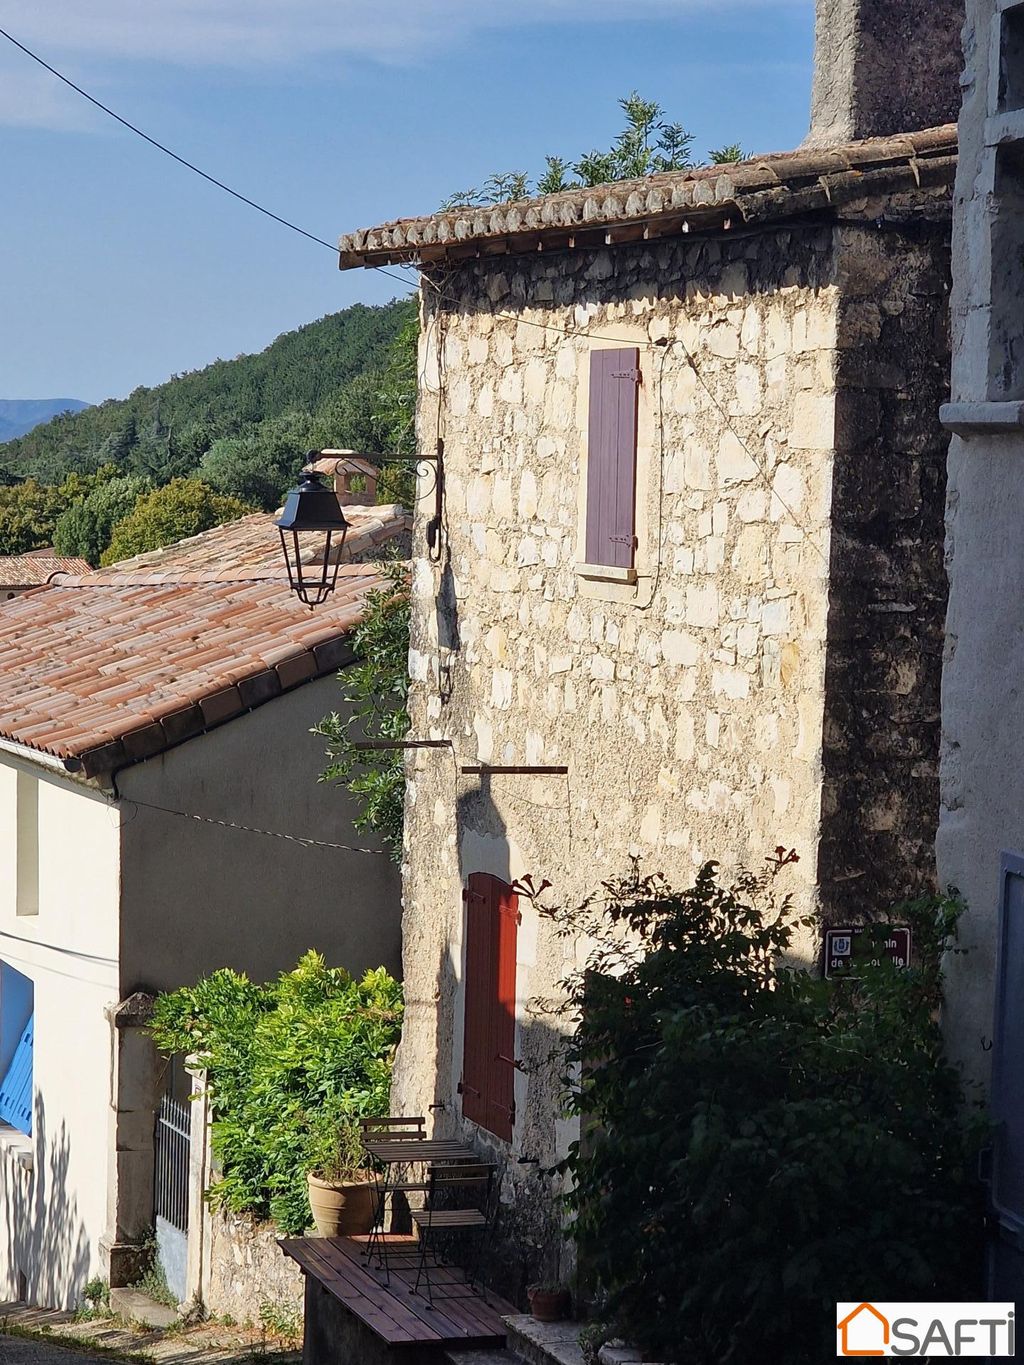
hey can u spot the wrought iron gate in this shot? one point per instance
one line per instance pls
(171, 1149)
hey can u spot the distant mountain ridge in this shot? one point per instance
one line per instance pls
(19, 415)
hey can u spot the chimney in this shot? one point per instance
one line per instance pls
(883, 67)
(349, 467)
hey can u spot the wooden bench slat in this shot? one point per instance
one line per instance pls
(338, 1254)
(380, 1311)
(393, 1312)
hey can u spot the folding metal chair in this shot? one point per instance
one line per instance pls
(392, 1128)
(460, 1203)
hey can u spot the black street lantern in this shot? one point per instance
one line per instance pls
(313, 530)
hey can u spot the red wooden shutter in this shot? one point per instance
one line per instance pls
(477, 1016)
(501, 1095)
(488, 1071)
(611, 457)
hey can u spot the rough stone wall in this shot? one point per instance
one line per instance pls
(888, 585)
(689, 708)
(246, 1270)
(747, 691)
(884, 67)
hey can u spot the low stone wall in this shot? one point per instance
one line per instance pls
(246, 1270)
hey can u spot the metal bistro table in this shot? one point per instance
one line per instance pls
(398, 1160)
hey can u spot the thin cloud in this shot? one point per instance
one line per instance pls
(30, 98)
(259, 33)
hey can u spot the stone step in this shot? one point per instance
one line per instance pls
(483, 1357)
(138, 1307)
(544, 1343)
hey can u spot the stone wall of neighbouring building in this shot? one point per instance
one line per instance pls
(247, 1272)
(702, 712)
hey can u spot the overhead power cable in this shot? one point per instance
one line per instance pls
(182, 161)
(320, 241)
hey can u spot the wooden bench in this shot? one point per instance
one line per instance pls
(401, 1319)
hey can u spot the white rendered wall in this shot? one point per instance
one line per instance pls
(982, 812)
(53, 1216)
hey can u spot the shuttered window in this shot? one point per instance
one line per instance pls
(611, 457)
(16, 1085)
(488, 1063)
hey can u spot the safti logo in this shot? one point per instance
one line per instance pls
(944, 1331)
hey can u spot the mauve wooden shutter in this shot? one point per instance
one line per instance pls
(478, 989)
(611, 457)
(501, 1094)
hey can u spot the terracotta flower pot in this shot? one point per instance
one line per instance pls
(342, 1208)
(550, 1305)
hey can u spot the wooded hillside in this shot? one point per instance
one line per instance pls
(165, 431)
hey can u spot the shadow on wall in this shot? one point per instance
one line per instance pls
(527, 1244)
(46, 1251)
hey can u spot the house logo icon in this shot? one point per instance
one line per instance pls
(864, 1324)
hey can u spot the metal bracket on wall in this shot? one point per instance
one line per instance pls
(486, 769)
(365, 744)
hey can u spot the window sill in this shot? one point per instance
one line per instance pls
(606, 573)
(18, 1145)
(976, 419)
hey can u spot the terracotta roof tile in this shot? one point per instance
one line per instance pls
(106, 668)
(761, 189)
(245, 550)
(29, 571)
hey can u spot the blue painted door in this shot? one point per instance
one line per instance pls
(16, 1086)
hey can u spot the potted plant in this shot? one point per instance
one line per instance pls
(341, 1189)
(549, 1302)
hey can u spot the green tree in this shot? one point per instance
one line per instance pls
(761, 1144)
(262, 465)
(724, 156)
(84, 529)
(28, 514)
(647, 145)
(375, 690)
(165, 431)
(29, 511)
(182, 508)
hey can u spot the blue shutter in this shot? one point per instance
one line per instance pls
(1008, 1047)
(16, 1086)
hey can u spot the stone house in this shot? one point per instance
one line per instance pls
(155, 726)
(981, 828)
(689, 548)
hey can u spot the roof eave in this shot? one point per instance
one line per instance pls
(756, 194)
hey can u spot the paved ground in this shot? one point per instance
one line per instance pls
(17, 1351)
(38, 1336)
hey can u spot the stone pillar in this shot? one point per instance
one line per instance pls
(883, 67)
(199, 1177)
(132, 1115)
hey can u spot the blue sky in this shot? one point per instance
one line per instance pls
(119, 268)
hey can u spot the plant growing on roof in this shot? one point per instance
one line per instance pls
(291, 1064)
(376, 690)
(761, 1143)
(647, 145)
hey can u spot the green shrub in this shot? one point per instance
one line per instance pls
(84, 528)
(182, 508)
(376, 689)
(288, 1063)
(761, 1143)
